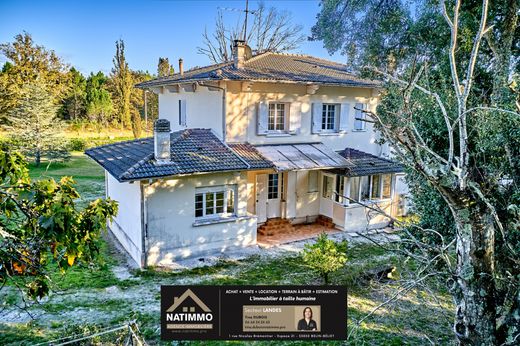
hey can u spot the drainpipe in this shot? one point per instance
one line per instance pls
(223, 107)
(144, 228)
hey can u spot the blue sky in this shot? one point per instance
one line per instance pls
(83, 33)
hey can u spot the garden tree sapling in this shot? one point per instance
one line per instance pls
(325, 256)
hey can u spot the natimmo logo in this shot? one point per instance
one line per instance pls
(189, 312)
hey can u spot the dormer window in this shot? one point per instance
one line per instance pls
(277, 117)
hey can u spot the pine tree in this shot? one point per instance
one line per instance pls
(122, 84)
(99, 106)
(34, 125)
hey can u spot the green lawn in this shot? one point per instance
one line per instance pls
(84, 300)
(88, 175)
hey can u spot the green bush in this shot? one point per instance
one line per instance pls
(325, 256)
(77, 144)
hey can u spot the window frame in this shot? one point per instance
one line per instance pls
(270, 191)
(228, 194)
(326, 176)
(362, 122)
(325, 112)
(275, 117)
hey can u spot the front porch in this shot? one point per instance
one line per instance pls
(279, 231)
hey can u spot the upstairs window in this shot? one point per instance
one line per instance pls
(277, 117)
(329, 118)
(215, 202)
(359, 119)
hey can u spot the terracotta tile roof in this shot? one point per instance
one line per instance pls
(274, 67)
(192, 151)
(362, 163)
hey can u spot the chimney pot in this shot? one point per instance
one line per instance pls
(181, 67)
(161, 140)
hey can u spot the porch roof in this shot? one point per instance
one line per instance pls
(361, 163)
(290, 157)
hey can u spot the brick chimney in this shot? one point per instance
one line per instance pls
(181, 67)
(161, 141)
(239, 53)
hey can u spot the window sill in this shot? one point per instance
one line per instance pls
(337, 133)
(365, 130)
(279, 134)
(211, 221)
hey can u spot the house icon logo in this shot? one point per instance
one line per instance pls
(188, 312)
(177, 302)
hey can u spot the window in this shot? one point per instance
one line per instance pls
(312, 183)
(354, 188)
(359, 123)
(327, 186)
(329, 118)
(376, 186)
(387, 186)
(364, 187)
(272, 186)
(215, 201)
(180, 112)
(276, 120)
(340, 189)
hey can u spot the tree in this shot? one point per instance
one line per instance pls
(27, 63)
(40, 224)
(325, 256)
(99, 106)
(440, 117)
(74, 105)
(272, 31)
(164, 68)
(35, 125)
(121, 79)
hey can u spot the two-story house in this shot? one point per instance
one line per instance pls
(239, 143)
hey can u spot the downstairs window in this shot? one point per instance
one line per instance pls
(215, 202)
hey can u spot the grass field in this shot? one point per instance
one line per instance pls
(89, 176)
(91, 297)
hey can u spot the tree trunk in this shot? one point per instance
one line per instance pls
(474, 288)
(37, 158)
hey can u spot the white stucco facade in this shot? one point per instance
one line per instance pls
(173, 230)
(127, 224)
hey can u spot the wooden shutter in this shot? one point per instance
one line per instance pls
(344, 111)
(359, 124)
(295, 117)
(317, 111)
(262, 116)
(182, 117)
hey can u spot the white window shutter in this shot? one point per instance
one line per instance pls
(295, 117)
(183, 113)
(317, 113)
(344, 110)
(359, 124)
(262, 118)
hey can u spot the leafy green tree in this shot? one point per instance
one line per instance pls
(448, 75)
(164, 68)
(27, 63)
(35, 126)
(40, 224)
(99, 106)
(121, 79)
(74, 105)
(325, 256)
